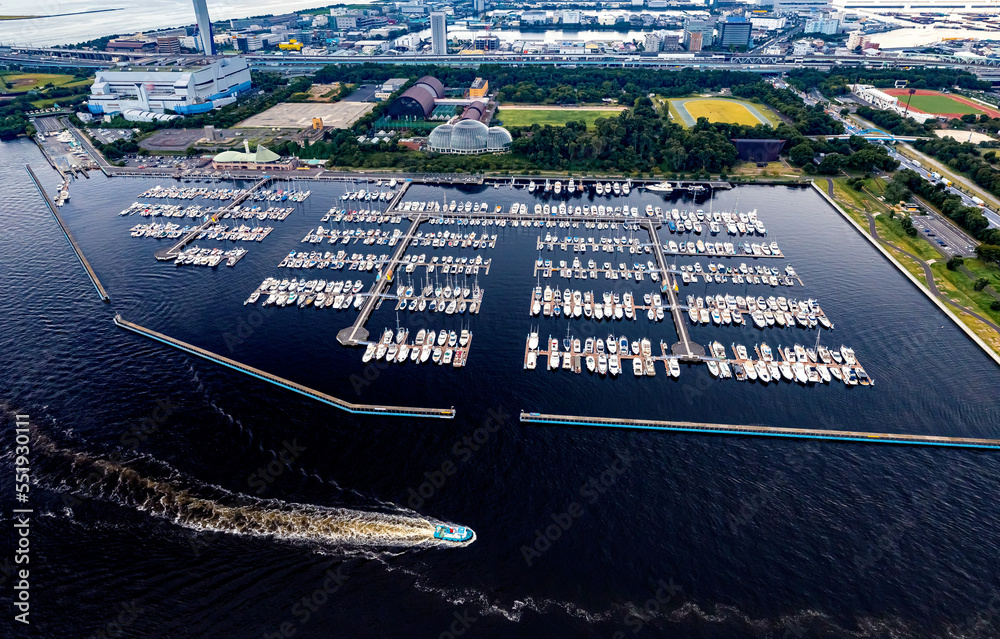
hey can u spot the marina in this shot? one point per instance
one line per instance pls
(237, 198)
(443, 281)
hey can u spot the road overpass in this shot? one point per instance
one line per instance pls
(986, 67)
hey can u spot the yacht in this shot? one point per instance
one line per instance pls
(662, 187)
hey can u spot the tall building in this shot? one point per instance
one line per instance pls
(822, 23)
(439, 33)
(735, 32)
(697, 34)
(204, 36)
(479, 5)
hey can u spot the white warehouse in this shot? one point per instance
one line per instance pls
(186, 89)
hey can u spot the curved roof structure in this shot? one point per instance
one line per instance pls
(474, 111)
(418, 100)
(433, 84)
(468, 137)
(440, 138)
(498, 139)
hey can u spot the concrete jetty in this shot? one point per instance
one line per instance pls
(759, 431)
(684, 348)
(369, 409)
(69, 236)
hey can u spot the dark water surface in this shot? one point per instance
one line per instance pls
(182, 530)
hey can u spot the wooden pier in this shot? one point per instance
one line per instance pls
(759, 431)
(370, 409)
(356, 334)
(69, 236)
(171, 253)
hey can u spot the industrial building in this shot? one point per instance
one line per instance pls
(469, 137)
(195, 88)
(418, 101)
(389, 87)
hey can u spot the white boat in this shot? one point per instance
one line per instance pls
(675, 367)
(613, 365)
(662, 187)
(637, 366)
(532, 361)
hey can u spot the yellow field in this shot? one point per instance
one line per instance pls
(721, 111)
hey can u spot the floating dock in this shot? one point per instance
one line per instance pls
(759, 431)
(369, 409)
(356, 334)
(69, 236)
(171, 253)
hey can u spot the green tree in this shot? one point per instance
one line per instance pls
(954, 262)
(980, 283)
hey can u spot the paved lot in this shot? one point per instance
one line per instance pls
(107, 136)
(181, 139)
(364, 93)
(955, 243)
(339, 115)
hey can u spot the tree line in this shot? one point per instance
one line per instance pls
(965, 158)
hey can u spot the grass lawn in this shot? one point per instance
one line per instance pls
(554, 117)
(939, 104)
(46, 103)
(955, 284)
(24, 82)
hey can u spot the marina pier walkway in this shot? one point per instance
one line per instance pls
(760, 431)
(357, 333)
(685, 349)
(69, 236)
(171, 253)
(368, 409)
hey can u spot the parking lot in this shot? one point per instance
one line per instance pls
(943, 236)
(107, 136)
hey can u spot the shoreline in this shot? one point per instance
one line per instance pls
(60, 15)
(927, 293)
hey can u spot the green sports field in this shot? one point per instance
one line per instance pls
(939, 104)
(554, 117)
(24, 82)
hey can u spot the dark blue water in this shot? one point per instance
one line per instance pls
(171, 531)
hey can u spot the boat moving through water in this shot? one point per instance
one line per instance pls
(456, 534)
